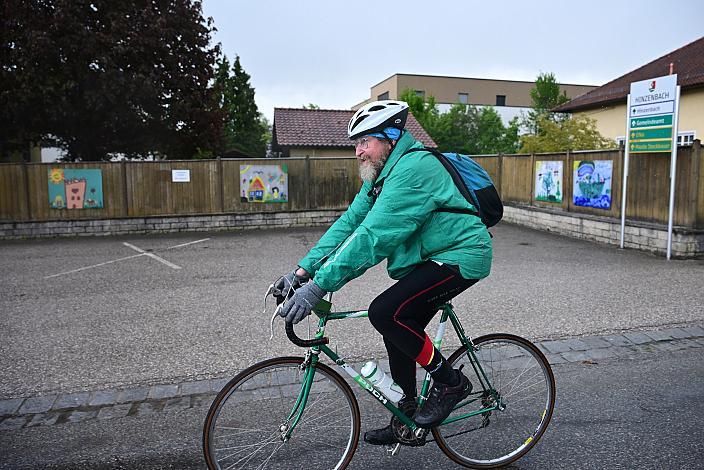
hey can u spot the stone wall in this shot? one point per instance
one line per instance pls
(686, 243)
(196, 223)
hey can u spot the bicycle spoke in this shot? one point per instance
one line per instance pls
(248, 446)
(263, 465)
(244, 431)
(247, 457)
(518, 377)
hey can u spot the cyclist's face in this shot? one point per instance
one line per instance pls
(371, 154)
(370, 149)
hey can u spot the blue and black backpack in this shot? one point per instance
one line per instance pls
(473, 182)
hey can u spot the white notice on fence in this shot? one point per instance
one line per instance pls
(181, 176)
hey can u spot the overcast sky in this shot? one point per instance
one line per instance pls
(331, 52)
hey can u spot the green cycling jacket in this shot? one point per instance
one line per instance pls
(402, 225)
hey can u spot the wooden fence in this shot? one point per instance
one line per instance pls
(139, 189)
(648, 183)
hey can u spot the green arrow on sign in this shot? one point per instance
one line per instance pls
(646, 133)
(652, 121)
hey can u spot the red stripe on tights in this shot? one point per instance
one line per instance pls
(398, 310)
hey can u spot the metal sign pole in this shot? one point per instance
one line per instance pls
(673, 168)
(625, 169)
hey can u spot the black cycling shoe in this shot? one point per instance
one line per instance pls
(441, 400)
(380, 437)
(385, 436)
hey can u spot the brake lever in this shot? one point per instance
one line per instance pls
(271, 291)
(278, 308)
(268, 292)
(271, 325)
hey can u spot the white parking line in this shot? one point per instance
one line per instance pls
(94, 266)
(141, 253)
(152, 255)
(189, 243)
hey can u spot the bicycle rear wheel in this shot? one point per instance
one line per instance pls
(525, 387)
(243, 428)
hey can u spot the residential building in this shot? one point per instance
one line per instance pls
(508, 97)
(607, 104)
(318, 133)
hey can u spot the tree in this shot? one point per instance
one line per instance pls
(464, 128)
(424, 110)
(545, 96)
(492, 135)
(244, 127)
(457, 130)
(107, 77)
(577, 133)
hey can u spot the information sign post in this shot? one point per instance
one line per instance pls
(651, 127)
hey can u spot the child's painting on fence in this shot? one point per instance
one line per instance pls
(548, 181)
(75, 189)
(592, 183)
(264, 183)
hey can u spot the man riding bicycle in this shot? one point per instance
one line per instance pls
(416, 218)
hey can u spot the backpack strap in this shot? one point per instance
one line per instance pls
(456, 178)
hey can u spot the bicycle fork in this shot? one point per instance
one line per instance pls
(308, 365)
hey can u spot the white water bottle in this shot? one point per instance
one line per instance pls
(382, 381)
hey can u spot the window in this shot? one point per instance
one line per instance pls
(621, 141)
(383, 96)
(500, 100)
(420, 93)
(685, 138)
(463, 98)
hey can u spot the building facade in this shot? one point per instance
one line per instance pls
(508, 97)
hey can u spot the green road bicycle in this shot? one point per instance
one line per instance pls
(293, 412)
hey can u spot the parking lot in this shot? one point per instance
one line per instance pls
(91, 313)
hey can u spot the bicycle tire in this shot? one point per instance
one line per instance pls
(243, 426)
(521, 374)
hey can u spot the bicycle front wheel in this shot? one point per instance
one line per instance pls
(522, 389)
(249, 417)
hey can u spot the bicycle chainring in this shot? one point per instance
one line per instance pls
(406, 436)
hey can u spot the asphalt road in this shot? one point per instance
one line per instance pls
(640, 411)
(118, 316)
(87, 314)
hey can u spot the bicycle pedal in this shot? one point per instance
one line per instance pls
(393, 449)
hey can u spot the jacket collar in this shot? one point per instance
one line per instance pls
(405, 142)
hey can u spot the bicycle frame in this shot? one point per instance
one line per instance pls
(312, 359)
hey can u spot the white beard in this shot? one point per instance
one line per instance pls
(369, 172)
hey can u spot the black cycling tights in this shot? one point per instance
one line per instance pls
(402, 312)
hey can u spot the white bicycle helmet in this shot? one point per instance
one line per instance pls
(377, 116)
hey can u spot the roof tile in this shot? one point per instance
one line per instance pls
(299, 127)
